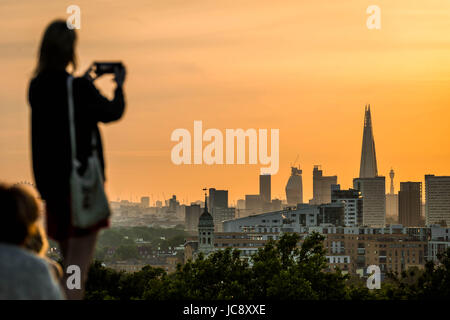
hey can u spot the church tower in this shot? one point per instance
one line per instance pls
(205, 231)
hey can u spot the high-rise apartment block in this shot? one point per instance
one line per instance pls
(218, 204)
(265, 187)
(374, 200)
(410, 204)
(353, 205)
(437, 199)
(321, 186)
(192, 214)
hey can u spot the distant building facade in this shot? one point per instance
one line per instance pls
(217, 199)
(321, 186)
(145, 202)
(410, 204)
(173, 204)
(265, 187)
(437, 199)
(353, 205)
(294, 187)
(192, 214)
(253, 203)
(223, 214)
(374, 200)
(218, 204)
(289, 220)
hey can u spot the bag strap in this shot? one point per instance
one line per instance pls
(73, 144)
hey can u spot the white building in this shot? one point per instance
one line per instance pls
(373, 191)
(353, 205)
(289, 219)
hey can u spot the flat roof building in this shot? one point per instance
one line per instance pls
(437, 199)
(410, 204)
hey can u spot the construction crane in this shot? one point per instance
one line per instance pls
(296, 159)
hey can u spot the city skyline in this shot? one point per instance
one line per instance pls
(368, 168)
(318, 63)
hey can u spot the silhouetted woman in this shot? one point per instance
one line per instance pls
(51, 141)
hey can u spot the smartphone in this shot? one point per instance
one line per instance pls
(106, 67)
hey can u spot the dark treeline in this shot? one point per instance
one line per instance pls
(281, 271)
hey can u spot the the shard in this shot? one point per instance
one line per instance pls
(368, 167)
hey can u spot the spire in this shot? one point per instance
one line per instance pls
(368, 167)
(205, 219)
(206, 202)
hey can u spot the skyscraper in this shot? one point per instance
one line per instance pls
(217, 199)
(371, 186)
(322, 186)
(368, 166)
(218, 203)
(410, 204)
(294, 187)
(373, 191)
(437, 199)
(392, 199)
(253, 203)
(265, 187)
(192, 214)
(173, 204)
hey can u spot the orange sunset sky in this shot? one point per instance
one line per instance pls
(306, 68)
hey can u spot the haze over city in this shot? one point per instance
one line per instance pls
(306, 69)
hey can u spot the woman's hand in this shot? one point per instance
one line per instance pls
(90, 73)
(120, 75)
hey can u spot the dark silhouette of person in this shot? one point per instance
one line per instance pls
(50, 135)
(23, 274)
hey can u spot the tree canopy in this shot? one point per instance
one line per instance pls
(281, 270)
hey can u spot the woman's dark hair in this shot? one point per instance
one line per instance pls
(57, 49)
(19, 214)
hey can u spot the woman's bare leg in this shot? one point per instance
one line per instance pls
(78, 251)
